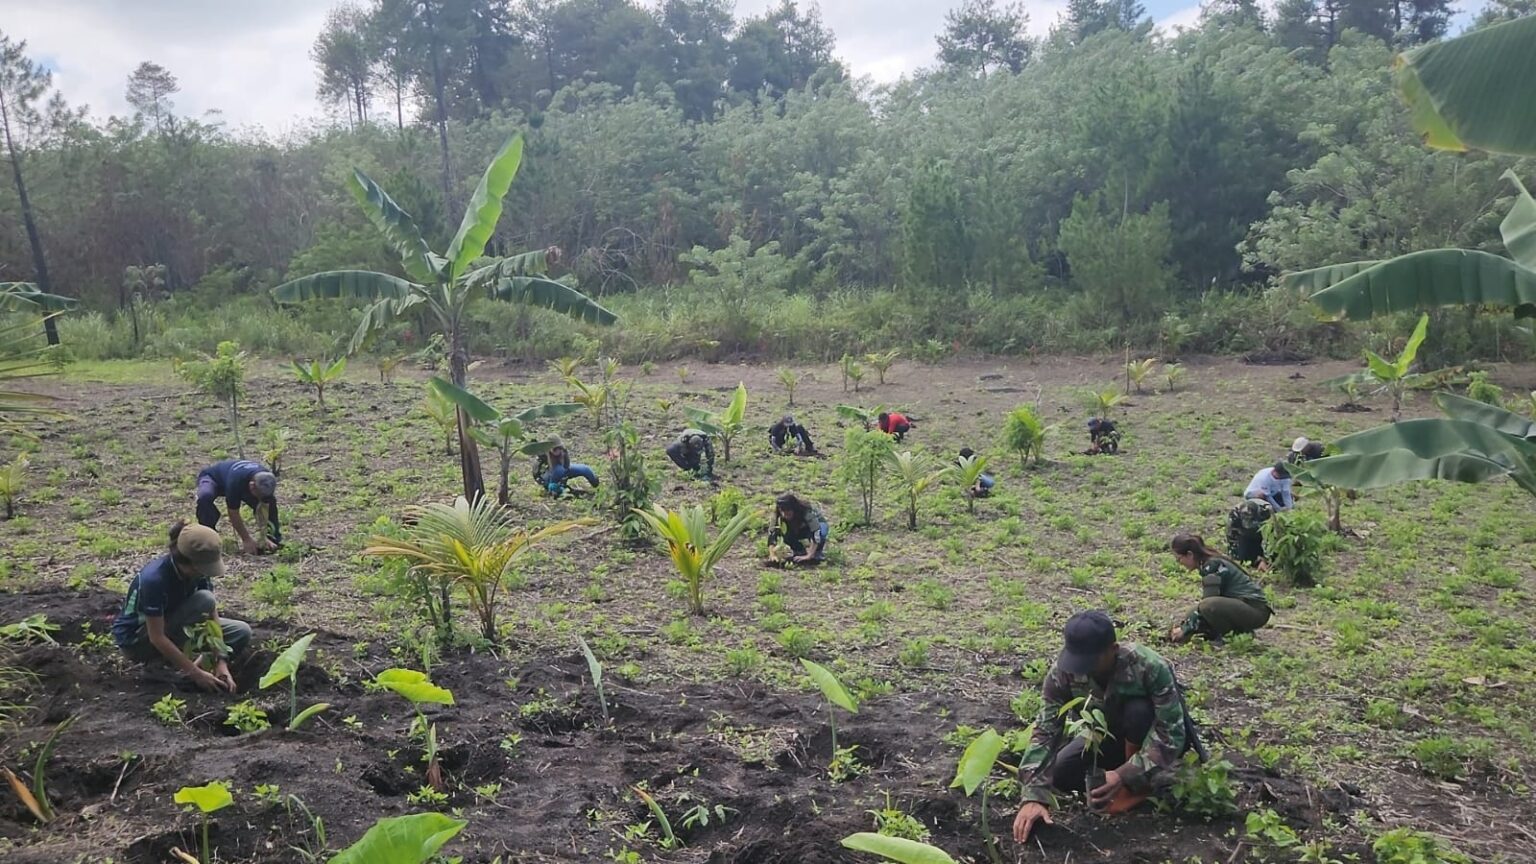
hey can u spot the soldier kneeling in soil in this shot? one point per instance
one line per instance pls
(1148, 724)
(694, 452)
(802, 527)
(174, 592)
(554, 469)
(241, 481)
(1231, 601)
(1103, 437)
(786, 430)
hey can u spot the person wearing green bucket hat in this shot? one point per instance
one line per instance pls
(171, 594)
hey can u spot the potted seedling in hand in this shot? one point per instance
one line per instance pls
(417, 689)
(286, 668)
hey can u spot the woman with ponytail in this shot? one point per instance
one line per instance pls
(1232, 602)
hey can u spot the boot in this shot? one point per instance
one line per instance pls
(1125, 800)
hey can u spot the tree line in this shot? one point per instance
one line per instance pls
(1116, 168)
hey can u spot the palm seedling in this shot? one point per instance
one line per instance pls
(221, 376)
(286, 668)
(565, 367)
(13, 479)
(592, 397)
(442, 286)
(726, 424)
(416, 688)
(595, 669)
(274, 445)
(412, 839)
(1101, 402)
(206, 800)
(837, 695)
(444, 414)
(971, 469)
(21, 358)
(882, 362)
(1024, 434)
(318, 374)
(470, 545)
(1173, 373)
(507, 434)
(789, 379)
(1137, 372)
(912, 476)
(694, 555)
(36, 798)
(387, 366)
(855, 373)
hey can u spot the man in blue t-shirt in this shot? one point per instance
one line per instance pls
(174, 592)
(241, 481)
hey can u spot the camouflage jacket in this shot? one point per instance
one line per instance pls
(1222, 578)
(1139, 672)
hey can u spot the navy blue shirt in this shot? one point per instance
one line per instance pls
(154, 593)
(232, 481)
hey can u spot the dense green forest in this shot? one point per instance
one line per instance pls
(728, 186)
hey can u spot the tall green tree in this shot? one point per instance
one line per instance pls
(1119, 262)
(342, 55)
(25, 110)
(979, 36)
(443, 285)
(150, 89)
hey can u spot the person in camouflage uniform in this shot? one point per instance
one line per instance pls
(694, 452)
(1245, 538)
(1149, 725)
(1231, 601)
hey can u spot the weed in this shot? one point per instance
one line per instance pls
(1296, 541)
(276, 588)
(743, 661)
(1265, 829)
(845, 765)
(1205, 789)
(169, 710)
(426, 796)
(892, 821)
(247, 717)
(1407, 846)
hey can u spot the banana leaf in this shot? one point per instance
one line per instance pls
(830, 687)
(396, 225)
(898, 849)
(345, 285)
(1475, 91)
(552, 295)
(24, 297)
(412, 839)
(484, 209)
(1428, 279)
(1519, 226)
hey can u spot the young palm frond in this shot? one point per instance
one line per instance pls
(694, 555)
(13, 478)
(912, 478)
(23, 356)
(971, 468)
(1137, 371)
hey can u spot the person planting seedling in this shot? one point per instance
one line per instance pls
(1269, 492)
(1147, 725)
(241, 482)
(1103, 437)
(782, 433)
(1303, 450)
(1231, 602)
(984, 483)
(554, 469)
(803, 529)
(694, 452)
(894, 424)
(172, 595)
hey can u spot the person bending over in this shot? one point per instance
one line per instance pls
(787, 431)
(801, 526)
(1231, 602)
(554, 469)
(174, 592)
(1103, 437)
(1304, 449)
(1149, 725)
(984, 481)
(241, 482)
(893, 424)
(694, 452)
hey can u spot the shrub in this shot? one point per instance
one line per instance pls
(1024, 433)
(1296, 541)
(865, 455)
(1483, 390)
(1407, 846)
(1204, 789)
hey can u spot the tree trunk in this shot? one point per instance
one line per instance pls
(469, 453)
(39, 262)
(506, 471)
(234, 418)
(442, 114)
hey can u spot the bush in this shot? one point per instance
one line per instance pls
(1024, 433)
(1407, 846)
(1204, 789)
(1295, 541)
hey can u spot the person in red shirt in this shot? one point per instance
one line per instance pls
(893, 424)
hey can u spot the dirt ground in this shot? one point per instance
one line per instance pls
(1294, 710)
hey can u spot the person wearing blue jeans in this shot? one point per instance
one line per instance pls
(802, 528)
(555, 469)
(984, 482)
(241, 482)
(172, 593)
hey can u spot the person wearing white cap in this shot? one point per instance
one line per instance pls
(174, 592)
(1304, 449)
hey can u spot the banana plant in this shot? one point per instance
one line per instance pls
(837, 695)
(863, 417)
(694, 555)
(443, 285)
(728, 423)
(412, 839)
(416, 688)
(507, 434)
(1475, 443)
(1395, 376)
(285, 667)
(913, 478)
(318, 374)
(471, 545)
(444, 414)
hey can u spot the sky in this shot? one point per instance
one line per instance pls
(249, 59)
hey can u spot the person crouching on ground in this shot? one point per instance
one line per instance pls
(802, 527)
(893, 424)
(787, 430)
(1149, 725)
(174, 592)
(554, 469)
(241, 481)
(984, 481)
(1304, 450)
(1103, 437)
(1231, 602)
(694, 452)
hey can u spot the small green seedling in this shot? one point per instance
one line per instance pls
(837, 695)
(668, 838)
(169, 710)
(726, 424)
(412, 839)
(417, 689)
(36, 799)
(33, 628)
(286, 668)
(205, 799)
(596, 669)
(1092, 728)
(318, 374)
(898, 849)
(974, 769)
(205, 642)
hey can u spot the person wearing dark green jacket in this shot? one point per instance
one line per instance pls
(1231, 601)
